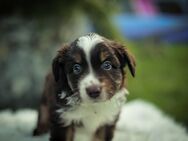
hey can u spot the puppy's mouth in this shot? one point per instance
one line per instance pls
(97, 100)
(94, 97)
(103, 96)
(119, 98)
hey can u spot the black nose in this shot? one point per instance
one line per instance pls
(93, 91)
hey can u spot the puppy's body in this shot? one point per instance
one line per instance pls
(84, 93)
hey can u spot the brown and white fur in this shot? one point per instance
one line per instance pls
(84, 92)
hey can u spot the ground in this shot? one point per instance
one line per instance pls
(139, 121)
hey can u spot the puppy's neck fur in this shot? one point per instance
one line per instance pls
(93, 115)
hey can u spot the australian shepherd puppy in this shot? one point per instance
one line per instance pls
(84, 92)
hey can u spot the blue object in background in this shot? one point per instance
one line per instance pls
(164, 27)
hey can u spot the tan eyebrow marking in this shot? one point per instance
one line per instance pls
(104, 55)
(77, 58)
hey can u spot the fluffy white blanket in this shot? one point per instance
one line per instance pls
(139, 121)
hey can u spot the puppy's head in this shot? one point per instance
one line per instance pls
(92, 68)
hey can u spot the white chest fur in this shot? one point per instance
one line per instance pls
(94, 115)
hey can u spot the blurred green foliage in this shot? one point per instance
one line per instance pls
(161, 76)
(98, 12)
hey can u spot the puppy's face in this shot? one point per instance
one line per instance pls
(92, 67)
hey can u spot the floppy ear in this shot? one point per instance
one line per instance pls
(57, 68)
(58, 64)
(60, 76)
(125, 57)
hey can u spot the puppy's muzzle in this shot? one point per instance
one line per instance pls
(93, 91)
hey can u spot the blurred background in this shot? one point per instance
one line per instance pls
(156, 32)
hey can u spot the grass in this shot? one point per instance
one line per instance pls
(161, 77)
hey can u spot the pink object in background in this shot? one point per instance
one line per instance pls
(144, 7)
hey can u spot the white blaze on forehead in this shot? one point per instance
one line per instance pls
(87, 42)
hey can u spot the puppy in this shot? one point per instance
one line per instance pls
(84, 92)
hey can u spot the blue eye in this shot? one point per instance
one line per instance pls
(106, 65)
(77, 69)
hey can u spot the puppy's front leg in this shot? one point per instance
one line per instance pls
(58, 133)
(43, 120)
(105, 133)
(109, 132)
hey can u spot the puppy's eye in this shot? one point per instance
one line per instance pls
(77, 69)
(106, 65)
